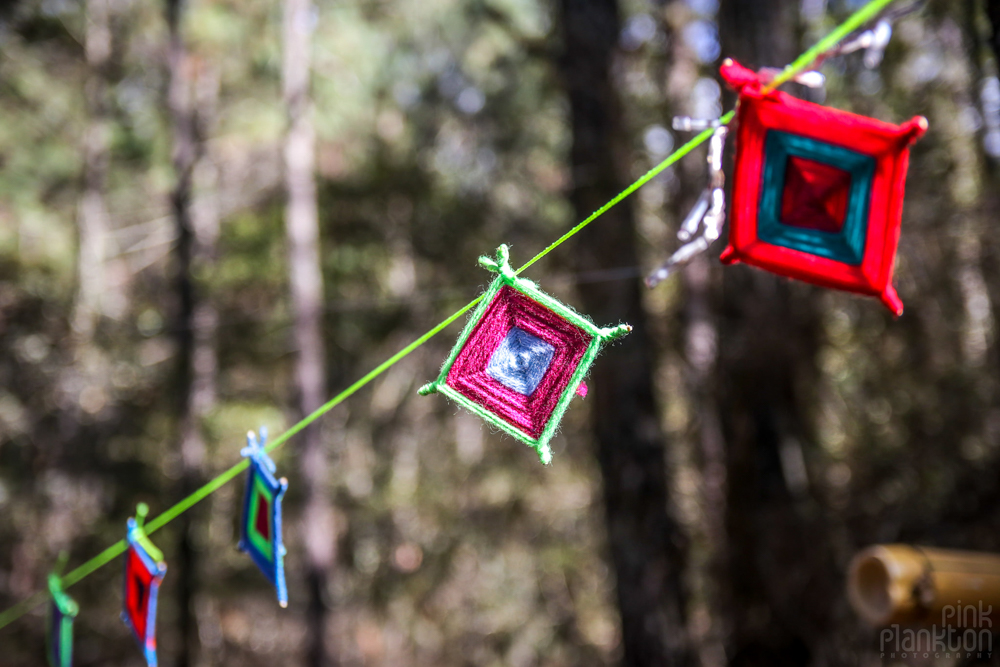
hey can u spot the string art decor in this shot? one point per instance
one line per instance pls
(521, 358)
(817, 192)
(260, 528)
(144, 571)
(59, 630)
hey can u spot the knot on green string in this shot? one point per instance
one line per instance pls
(137, 532)
(66, 605)
(501, 264)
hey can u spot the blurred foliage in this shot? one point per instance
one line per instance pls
(442, 132)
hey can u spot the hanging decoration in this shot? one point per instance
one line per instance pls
(144, 571)
(817, 192)
(709, 212)
(521, 358)
(260, 528)
(59, 630)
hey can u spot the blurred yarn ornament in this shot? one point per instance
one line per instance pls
(521, 358)
(144, 571)
(59, 627)
(817, 192)
(260, 527)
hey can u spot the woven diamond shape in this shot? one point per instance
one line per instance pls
(144, 571)
(817, 192)
(521, 358)
(260, 527)
(508, 310)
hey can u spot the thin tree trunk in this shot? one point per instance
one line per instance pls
(781, 578)
(205, 223)
(96, 295)
(205, 325)
(194, 364)
(306, 285)
(99, 293)
(701, 335)
(645, 542)
(698, 346)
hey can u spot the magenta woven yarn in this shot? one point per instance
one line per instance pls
(469, 376)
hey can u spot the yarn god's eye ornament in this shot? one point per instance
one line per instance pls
(817, 192)
(59, 631)
(260, 528)
(144, 571)
(521, 358)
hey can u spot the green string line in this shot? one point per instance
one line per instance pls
(646, 178)
(118, 548)
(100, 560)
(805, 61)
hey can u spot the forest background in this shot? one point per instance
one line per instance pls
(216, 214)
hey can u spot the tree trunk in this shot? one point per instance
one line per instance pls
(781, 579)
(193, 322)
(99, 293)
(306, 285)
(645, 542)
(696, 343)
(993, 11)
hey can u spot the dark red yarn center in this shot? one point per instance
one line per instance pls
(815, 195)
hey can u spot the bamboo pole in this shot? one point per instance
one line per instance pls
(900, 583)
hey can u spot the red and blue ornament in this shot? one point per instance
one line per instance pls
(144, 572)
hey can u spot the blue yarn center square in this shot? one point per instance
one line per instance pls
(520, 362)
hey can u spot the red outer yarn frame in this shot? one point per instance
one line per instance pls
(888, 144)
(138, 608)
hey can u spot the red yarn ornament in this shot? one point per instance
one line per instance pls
(817, 192)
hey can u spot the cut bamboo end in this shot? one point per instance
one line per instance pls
(899, 583)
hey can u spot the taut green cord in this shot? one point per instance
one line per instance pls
(118, 548)
(645, 178)
(805, 61)
(100, 560)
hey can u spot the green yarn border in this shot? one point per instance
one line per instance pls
(265, 547)
(506, 276)
(69, 609)
(143, 540)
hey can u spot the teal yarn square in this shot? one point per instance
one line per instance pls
(847, 245)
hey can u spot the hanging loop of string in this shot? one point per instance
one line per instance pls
(802, 63)
(709, 212)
